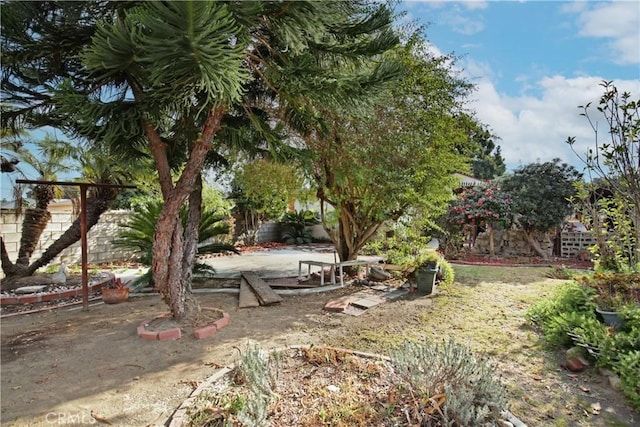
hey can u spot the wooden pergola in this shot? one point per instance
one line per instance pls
(83, 223)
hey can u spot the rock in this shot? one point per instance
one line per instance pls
(376, 273)
(574, 365)
(579, 353)
(30, 289)
(614, 381)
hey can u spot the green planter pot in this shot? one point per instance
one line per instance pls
(611, 318)
(426, 278)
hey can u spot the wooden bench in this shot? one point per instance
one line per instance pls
(333, 267)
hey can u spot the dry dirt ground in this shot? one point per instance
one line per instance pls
(60, 367)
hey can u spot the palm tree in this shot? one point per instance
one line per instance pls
(137, 235)
(47, 162)
(96, 165)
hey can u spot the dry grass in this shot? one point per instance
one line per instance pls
(483, 310)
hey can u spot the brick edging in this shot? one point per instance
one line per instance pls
(176, 333)
(50, 296)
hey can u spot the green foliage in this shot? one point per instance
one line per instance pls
(297, 236)
(138, 233)
(486, 205)
(613, 290)
(302, 218)
(571, 310)
(267, 186)
(447, 272)
(297, 226)
(404, 243)
(487, 160)
(540, 194)
(398, 158)
(474, 396)
(201, 57)
(628, 367)
(616, 161)
(565, 309)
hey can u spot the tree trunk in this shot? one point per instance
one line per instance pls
(192, 231)
(169, 261)
(492, 245)
(33, 225)
(8, 267)
(530, 235)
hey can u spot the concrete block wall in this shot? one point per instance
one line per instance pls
(100, 238)
(573, 243)
(270, 231)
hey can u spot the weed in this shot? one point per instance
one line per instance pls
(562, 273)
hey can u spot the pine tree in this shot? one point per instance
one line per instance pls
(174, 78)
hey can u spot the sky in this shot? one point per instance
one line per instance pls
(533, 63)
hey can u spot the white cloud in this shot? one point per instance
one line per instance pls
(618, 22)
(463, 24)
(458, 16)
(475, 4)
(535, 128)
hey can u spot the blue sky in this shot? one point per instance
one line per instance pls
(534, 62)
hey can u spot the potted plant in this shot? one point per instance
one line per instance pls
(427, 267)
(115, 292)
(612, 291)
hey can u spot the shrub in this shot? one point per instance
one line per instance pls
(296, 224)
(628, 367)
(472, 394)
(571, 310)
(613, 290)
(448, 274)
(137, 235)
(402, 247)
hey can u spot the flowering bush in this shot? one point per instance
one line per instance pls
(483, 206)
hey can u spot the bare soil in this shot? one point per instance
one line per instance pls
(71, 367)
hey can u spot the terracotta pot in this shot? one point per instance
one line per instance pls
(114, 296)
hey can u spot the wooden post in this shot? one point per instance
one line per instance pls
(83, 246)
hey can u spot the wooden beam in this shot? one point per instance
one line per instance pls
(294, 285)
(247, 298)
(263, 291)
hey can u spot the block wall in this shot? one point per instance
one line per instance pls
(573, 243)
(100, 238)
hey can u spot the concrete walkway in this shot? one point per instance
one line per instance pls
(275, 263)
(269, 263)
